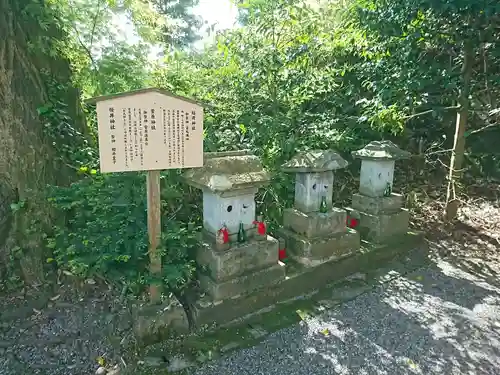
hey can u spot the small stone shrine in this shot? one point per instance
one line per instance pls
(378, 210)
(314, 231)
(236, 254)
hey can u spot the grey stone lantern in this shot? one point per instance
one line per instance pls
(314, 177)
(377, 167)
(313, 237)
(229, 182)
(379, 211)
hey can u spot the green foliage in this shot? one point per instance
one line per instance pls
(289, 80)
(105, 232)
(183, 28)
(71, 147)
(103, 224)
(426, 40)
(294, 77)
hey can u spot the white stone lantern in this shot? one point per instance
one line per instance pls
(377, 167)
(314, 177)
(314, 233)
(229, 181)
(232, 266)
(377, 209)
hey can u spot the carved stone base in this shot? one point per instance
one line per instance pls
(242, 285)
(238, 259)
(301, 281)
(311, 252)
(315, 224)
(383, 227)
(210, 238)
(378, 205)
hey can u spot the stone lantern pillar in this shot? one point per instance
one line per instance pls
(378, 209)
(229, 182)
(314, 231)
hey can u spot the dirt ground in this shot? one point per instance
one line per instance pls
(68, 329)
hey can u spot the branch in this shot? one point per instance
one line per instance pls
(483, 128)
(429, 111)
(86, 50)
(94, 24)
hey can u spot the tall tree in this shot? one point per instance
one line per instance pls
(182, 27)
(451, 37)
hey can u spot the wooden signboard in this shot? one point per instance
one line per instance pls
(149, 130)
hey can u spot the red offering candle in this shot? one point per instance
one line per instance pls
(282, 254)
(352, 222)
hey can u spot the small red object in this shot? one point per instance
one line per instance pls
(282, 254)
(223, 235)
(261, 227)
(352, 222)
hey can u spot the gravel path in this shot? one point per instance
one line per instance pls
(62, 334)
(438, 320)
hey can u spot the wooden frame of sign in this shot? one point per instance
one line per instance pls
(149, 130)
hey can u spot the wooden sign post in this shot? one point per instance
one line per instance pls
(154, 231)
(149, 130)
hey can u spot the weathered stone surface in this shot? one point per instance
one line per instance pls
(374, 177)
(311, 252)
(302, 281)
(375, 206)
(378, 150)
(29, 159)
(153, 323)
(238, 259)
(228, 210)
(228, 171)
(315, 161)
(315, 224)
(310, 188)
(383, 227)
(243, 284)
(210, 238)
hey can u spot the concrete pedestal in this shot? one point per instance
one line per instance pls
(300, 281)
(315, 224)
(380, 218)
(239, 269)
(311, 252)
(242, 285)
(313, 238)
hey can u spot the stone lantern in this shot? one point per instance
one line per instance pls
(233, 266)
(378, 209)
(314, 231)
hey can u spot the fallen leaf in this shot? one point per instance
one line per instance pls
(55, 298)
(302, 314)
(101, 361)
(67, 273)
(90, 281)
(36, 311)
(419, 278)
(412, 364)
(325, 332)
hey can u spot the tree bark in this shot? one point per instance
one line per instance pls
(457, 155)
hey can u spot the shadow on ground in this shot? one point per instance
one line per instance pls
(441, 319)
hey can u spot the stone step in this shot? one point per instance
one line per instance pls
(237, 260)
(315, 224)
(313, 251)
(242, 285)
(377, 205)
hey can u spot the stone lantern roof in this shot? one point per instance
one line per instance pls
(314, 161)
(228, 171)
(381, 150)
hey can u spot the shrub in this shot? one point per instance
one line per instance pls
(104, 232)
